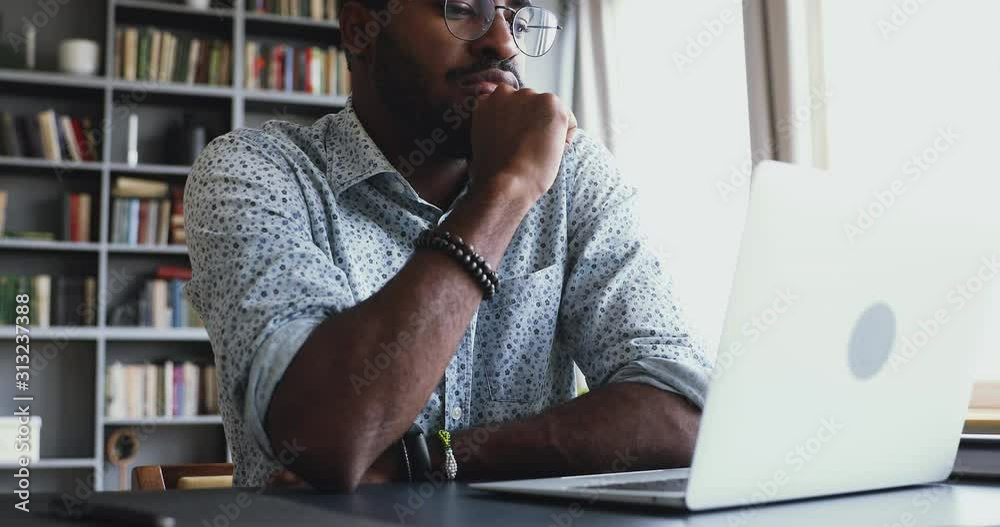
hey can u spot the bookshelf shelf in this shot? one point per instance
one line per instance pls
(156, 334)
(45, 164)
(125, 248)
(49, 78)
(172, 88)
(55, 463)
(47, 245)
(263, 21)
(151, 169)
(85, 352)
(54, 332)
(167, 421)
(162, 7)
(291, 97)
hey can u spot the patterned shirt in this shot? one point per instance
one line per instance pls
(289, 224)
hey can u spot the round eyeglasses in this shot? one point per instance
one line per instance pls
(534, 29)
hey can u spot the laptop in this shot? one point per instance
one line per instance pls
(847, 354)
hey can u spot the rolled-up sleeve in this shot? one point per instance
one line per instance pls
(619, 316)
(260, 281)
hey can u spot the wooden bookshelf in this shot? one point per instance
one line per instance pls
(70, 389)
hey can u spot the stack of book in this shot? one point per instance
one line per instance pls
(49, 136)
(314, 9)
(72, 302)
(76, 217)
(146, 53)
(281, 67)
(162, 303)
(143, 212)
(167, 389)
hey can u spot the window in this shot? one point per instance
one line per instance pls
(914, 87)
(682, 126)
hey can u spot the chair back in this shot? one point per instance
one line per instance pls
(200, 476)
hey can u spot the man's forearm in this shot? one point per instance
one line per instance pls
(321, 402)
(618, 427)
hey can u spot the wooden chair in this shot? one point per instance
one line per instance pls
(163, 477)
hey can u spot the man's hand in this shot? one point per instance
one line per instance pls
(518, 140)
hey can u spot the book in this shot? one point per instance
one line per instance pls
(210, 390)
(119, 52)
(41, 299)
(149, 394)
(145, 41)
(155, 43)
(131, 44)
(115, 391)
(11, 144)
(66, 126)
(167, 379)
(89, 317)
(50, 135)
(3, 212)
(126, 186)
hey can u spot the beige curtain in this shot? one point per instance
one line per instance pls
(593, 71)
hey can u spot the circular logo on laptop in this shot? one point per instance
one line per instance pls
(872, 340)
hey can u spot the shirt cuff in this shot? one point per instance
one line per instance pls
(266, 371)
(667, 375)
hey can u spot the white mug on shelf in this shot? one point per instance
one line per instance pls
(199, 4)
(79, 56)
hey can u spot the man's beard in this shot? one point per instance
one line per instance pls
(404, 89)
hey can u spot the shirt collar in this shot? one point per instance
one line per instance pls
(352, 154)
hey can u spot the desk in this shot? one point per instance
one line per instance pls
(964, 504)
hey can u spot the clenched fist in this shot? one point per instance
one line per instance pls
(518, 140)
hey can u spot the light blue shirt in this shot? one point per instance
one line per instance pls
(290, 224)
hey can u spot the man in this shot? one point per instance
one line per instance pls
(334, 333)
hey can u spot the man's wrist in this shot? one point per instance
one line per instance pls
(504, 193)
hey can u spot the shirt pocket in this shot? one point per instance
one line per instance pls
(515, 332)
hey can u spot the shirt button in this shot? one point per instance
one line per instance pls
(456, 413)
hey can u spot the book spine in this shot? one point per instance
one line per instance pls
(67, 213)
(90, 301)
(133, 221)
(168, 388)
(149, 399)
(175, 303)
(74, 211)
(43, 299)
(119, 60)
(178, 384)
(141, 225)
(289, 56)
(84, 217)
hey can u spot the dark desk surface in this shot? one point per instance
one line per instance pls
(967, 504)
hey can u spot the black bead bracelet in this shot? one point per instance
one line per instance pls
(465, 255)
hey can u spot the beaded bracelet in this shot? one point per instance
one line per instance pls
(464, 254)
(450, 465)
